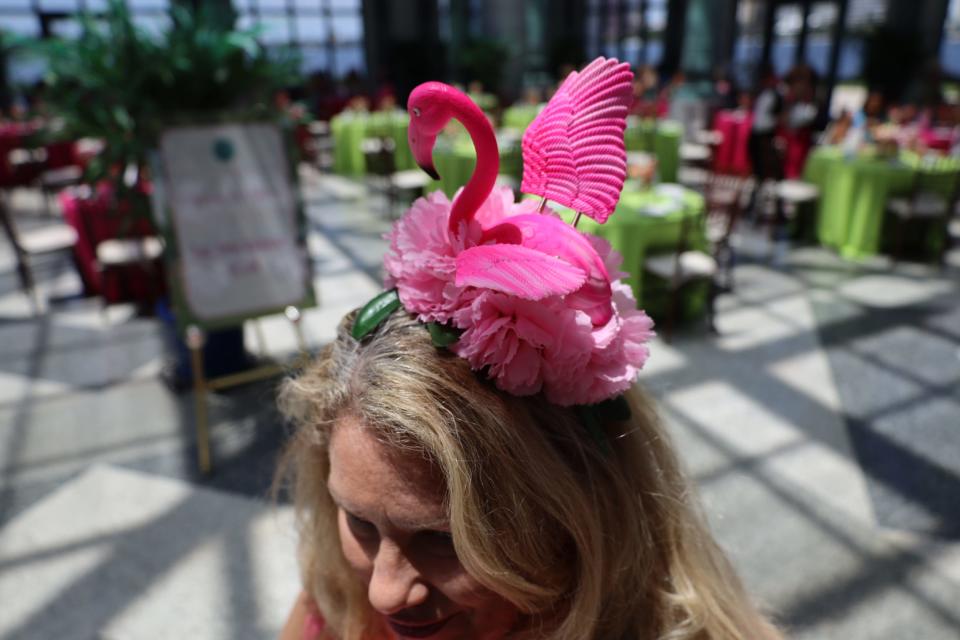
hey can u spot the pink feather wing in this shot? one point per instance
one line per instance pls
(573, 152)
(517, 270)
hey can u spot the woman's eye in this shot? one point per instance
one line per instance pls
(360, 528)
(437, 542)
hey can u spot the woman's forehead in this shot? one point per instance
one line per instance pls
(369, 477)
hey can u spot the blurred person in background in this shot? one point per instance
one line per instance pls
(767, 114)
(723, 93)
(645, 92)
(801, 117)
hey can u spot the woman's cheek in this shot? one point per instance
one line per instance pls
(457, 585)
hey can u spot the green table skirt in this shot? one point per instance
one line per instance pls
(854, 194)
(662, 139)
(349, 130)
(455, 164)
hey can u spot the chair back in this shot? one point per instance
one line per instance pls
(10, 230)
(378, 154)
(724, 203)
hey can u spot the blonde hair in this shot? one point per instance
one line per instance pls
(589, 540)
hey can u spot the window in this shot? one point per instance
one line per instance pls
(821, 22)
(328, 33)
(631, 30)
(787, 25)
(748, 47)
(950, 45)
(862, 16)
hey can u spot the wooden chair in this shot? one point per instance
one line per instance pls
(683, 267)
(791, 197)
(381, 166)
(53, 181)
(724, 207)
(117, 258)
(696, 161)
(321, 142)
(953, 235)
(921, 206)
(30, 245)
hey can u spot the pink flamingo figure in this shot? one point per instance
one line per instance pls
(577, 158)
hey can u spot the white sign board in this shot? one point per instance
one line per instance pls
(233, 209)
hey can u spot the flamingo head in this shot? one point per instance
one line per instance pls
(429, 108)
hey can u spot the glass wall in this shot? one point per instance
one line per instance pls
(631, 30)
(821, 23)
(862, 17)
(950, 45)
(748, 47)
(787, 26)
(328, 33)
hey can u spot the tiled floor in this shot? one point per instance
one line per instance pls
(822, 426)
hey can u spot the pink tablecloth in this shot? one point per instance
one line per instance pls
(732, 155)
(14, 135)
(95, 220)
(17, 135)
(938, 138)
(798, 144)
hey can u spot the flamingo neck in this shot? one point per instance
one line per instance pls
(488, 163)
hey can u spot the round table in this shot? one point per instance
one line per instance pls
(661, 138)
(854, 193)
(349, 130)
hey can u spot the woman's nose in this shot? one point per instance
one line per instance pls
(395, 584)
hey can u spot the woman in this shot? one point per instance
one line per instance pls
(472, 460)
(434, 505)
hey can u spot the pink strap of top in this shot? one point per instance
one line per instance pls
(313, 625)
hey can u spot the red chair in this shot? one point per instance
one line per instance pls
(117, 259)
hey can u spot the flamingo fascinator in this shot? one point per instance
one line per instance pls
(523, 296)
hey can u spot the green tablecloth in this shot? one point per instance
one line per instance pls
(350, 129)
(520, 116)
(456, 160)
(645, 221)
(854, 194)
(662, 139)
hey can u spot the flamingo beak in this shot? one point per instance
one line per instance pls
(421, 146)
(431, 171)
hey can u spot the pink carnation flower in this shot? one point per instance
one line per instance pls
(421, 260)
(525, 346)
(618, 350)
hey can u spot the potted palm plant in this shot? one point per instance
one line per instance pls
(124, 86)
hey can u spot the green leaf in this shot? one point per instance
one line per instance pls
(442, 335)
(375, 312)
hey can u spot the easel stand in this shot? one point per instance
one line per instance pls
(201, 385)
